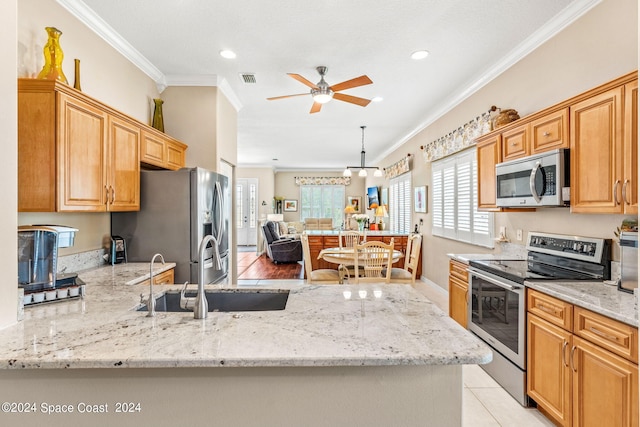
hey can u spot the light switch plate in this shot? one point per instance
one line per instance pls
(519, 234)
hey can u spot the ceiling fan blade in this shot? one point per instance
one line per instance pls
(358, 81)
(352, 99)
(287, 96)
(302, 80)
(315, 108)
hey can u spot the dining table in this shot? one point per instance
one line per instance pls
(346, 255)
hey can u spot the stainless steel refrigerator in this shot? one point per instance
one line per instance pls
(177, 209)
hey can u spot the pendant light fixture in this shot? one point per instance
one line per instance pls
(363, 169)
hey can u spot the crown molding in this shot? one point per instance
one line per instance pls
(88, 17)
(559, 22)
(95, 23)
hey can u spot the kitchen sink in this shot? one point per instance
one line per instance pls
(227, 300)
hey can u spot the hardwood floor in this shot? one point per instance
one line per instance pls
(255, 267)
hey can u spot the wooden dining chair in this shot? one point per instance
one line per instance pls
(412, 257)
(371, 260)
(322, 275)
(348, 239)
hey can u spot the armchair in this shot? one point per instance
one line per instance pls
(280, 249)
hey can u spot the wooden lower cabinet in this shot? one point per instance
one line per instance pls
(576, 382)
(458, 292)
(164, 278)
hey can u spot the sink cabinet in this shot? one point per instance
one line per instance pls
(581, 366)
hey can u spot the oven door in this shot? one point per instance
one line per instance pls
(497, 314)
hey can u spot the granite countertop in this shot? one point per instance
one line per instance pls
(465, 258)
(595, 296)
(391, 325)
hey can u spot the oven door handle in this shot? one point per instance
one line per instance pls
(493, 281)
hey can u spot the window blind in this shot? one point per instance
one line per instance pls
(400, 203)
(455, 199)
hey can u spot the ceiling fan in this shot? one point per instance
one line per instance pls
(323, 93)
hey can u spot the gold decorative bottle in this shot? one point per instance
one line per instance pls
(158, 119)
(53, 56)
(76, 80)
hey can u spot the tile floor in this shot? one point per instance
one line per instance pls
(484, 402)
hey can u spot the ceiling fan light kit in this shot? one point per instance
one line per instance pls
(323, 93)
(363, 169)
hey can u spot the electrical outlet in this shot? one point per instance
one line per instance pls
(519, 234)
(503, 231)
(421, 222)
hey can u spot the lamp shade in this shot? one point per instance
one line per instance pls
(349, 209)
(275, 217)
(381, 211)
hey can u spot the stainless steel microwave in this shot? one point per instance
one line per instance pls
(534, 181)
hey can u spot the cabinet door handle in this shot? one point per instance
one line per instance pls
(615, 192)
(624, 192)
(564, 360)
(603, 335)
(113, 195)
(106, 195)
(546, 134)
(573, 367)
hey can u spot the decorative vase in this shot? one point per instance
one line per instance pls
(361, 226)
(53, 56)
(76, 79)
(158, 120)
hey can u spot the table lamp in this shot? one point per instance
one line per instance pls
(349, 210)
(381, 212)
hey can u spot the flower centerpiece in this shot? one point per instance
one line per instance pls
(360, 219)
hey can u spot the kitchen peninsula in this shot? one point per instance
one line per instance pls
(337, 355)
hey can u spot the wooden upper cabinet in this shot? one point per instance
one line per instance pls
(596, 153)
(76, 154)
(82, 154)
(515, 142)
(158, 150)
(550, 132)
(488, 154)
(124, 165)
(630, 176)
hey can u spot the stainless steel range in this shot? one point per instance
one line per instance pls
(497, 309)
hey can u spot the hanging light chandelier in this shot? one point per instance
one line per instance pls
(362, 167)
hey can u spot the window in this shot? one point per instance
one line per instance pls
(400, 203)
(322, 201)
(455, 200)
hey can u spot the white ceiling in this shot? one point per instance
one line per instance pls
(470, 42)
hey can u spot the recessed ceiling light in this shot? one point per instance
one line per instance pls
(419, 54)
(377, 99)
(228, 54)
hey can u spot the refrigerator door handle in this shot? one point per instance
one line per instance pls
(219, 225)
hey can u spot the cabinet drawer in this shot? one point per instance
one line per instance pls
(515, 143)
(458, 270)
(550, 132)
(608, 333)
(551, 309)
(164, 278)
(331, 242)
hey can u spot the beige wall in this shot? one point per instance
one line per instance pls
(9, 170)
(599, 47)
(286, 187)
(227, 130)
(190, 115)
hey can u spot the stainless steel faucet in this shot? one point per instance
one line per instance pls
(151, 302)
(201, 307)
